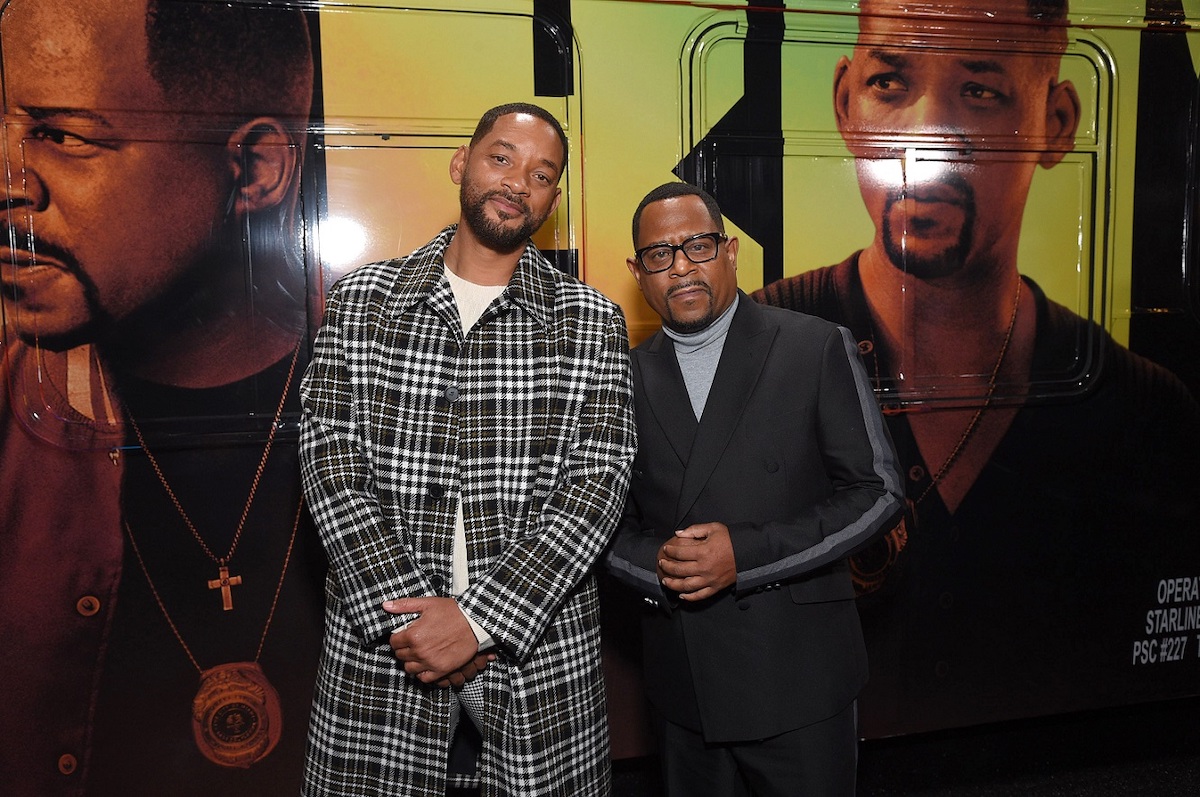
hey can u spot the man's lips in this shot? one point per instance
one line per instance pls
(688, 291)
(25, 269)
(934, 193)
(506, 206)
(24, 258)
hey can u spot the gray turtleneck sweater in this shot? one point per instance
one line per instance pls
(698, 354)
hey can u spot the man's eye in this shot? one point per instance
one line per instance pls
(975, 91)
(60, 138)
(887, 82)
(658, 255)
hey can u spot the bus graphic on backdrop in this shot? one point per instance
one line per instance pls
(995, 207)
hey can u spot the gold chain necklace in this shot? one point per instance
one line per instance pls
(937, 477)
(237, 716)
(869, 574)
(224, 581)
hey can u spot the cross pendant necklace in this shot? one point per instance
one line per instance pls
(225, 582)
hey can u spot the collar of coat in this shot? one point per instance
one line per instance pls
(532, 286)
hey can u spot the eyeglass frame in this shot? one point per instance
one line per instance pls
(717, 237)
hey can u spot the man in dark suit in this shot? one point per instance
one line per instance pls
(763, 462)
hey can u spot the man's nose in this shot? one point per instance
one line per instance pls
(23, 186)
(516, 184)
(680, 265)
(936, 124)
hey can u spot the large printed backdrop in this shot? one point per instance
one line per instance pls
(1067, 579)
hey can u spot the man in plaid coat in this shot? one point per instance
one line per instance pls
(467, 440)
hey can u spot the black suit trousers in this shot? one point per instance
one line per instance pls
(818, 760)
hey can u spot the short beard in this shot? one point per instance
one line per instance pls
(696, 324)
(949, 261)
(31, 333)
(493, 234)
(73, 338)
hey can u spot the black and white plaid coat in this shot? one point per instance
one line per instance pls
(529, 420)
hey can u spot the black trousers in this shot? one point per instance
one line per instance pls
(818, 760)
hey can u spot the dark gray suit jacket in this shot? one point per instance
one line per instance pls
(793, 456)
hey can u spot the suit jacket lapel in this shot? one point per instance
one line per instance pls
(667, 395)
(742, 358)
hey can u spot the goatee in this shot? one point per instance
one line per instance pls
(493, 233)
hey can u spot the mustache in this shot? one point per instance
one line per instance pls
(37, 247)
(949, 188)
(19, 240)
(512, 199)
(693, 283)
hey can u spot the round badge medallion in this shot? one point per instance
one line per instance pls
(236, 715)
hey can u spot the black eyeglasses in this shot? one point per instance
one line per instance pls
(698, 249)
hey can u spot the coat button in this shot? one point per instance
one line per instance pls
(436, 491)
(67, 764)
(451, 393)
(437, 582)
(743, 605)
(88, 605)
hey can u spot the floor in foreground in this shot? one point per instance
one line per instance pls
(1149, 749)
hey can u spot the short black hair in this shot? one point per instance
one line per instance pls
(489, 118)
(669, 190)
(231, 58)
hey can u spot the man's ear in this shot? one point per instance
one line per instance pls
(841, 95)
(263, 157)
(1062, 121)
(634, 269)
(852, 137)
(458, 164)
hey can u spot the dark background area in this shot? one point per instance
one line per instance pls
(1147, 749)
